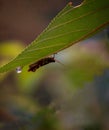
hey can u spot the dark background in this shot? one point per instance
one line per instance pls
(25, 19)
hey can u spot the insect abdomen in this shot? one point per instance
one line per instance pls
(40, 63)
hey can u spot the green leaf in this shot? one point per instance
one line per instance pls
(71, 25)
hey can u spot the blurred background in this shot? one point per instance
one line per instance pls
(73, 96)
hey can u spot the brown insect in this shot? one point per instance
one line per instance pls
(33, 67)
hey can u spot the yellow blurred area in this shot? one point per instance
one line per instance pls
(9, 50)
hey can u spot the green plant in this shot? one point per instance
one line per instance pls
(71, 25)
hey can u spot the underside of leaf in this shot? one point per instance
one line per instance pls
(71, 25)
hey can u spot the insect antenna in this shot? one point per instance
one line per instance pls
(59, 62)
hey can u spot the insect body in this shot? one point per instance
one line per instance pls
(33, 67)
